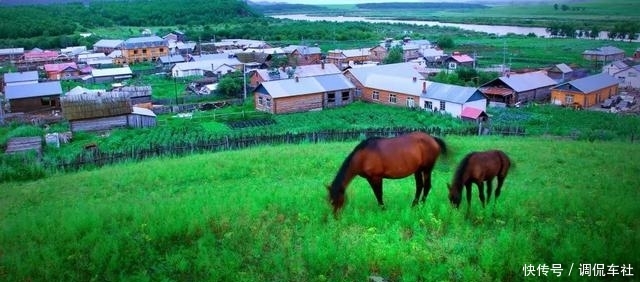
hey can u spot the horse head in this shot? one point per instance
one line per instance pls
(336, 198)
(454, 195)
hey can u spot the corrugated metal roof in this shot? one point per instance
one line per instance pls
(108, 43)
(33, 90)
(140, 42)
(396, 84)
(471, 112)
(449, 92)
(111, 72)
(60, 67)
(564, 68)
(13, 77)
(527, 81)
(590, 83)
(399, 70)
(11, 51)
(306, 85)
(209, 65)
(605, 50)
(316, 69)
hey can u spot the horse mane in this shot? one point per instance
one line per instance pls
(345, 164)
(457, 176)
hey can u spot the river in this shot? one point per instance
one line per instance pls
(495, 29)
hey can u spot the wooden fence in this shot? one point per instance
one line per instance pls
(95, 157)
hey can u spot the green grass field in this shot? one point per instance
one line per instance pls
(262, 215)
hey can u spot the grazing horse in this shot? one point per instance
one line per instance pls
(377, 158)
(479, 167)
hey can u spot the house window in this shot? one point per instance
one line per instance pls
(428, 105)
(135, 52)
(144, 51)
(442, 104)
(393, 98)
(345, 96)
(375, 95)
(268, 102)
(410, 102)
(331, 97)
(260, 101)
(161, 50)
(568, 99)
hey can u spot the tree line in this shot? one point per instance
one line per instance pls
(623, 31)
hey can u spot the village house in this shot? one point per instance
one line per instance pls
(344, 58)
(229, 44)
(299, 55)
(104, 111)
(629, 78)
(560, 73)
(516, 89)
(604, 54)
(17, 78)
(210, 68)
(262, 75)
(585, 92)
(166, 63)
(62, 71)
(458, 101)
(33, 97)
(143, 49)
(11, 54)
(107, 46)
(302, 94)
(109, 75)
(402, 85)
(458, 60)
(95, 60)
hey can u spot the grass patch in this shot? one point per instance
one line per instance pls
(256, 215)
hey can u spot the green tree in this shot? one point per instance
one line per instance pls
(230, 85)
(555, 6)
(395, 55)
(445, 42)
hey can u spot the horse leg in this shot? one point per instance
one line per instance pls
(426, 176)
(419, 187)
(468, 186)
(481, 191)
(499, 188)
(489, 189)
(376, 185)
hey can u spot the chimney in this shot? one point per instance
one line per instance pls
(297, 79)
(424, 87)
(415, 79)
(322, 65)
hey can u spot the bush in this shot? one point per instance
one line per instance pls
(20, 167)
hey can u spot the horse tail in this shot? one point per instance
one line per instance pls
(505, 162)
(442, 144)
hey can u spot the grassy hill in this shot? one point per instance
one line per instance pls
(262, 215)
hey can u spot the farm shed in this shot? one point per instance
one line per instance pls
(33, 97)
(304, 94)
(586, 92)
(94, 112)
(141, 118)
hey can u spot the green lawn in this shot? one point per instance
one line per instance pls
(261, 215)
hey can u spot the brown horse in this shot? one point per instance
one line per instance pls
(478, 168)
(392, 158)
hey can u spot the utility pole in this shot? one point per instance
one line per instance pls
(504, 56)
(244, 81)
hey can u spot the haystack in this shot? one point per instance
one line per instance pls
(87, 106)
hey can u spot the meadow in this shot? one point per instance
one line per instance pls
(262, 215)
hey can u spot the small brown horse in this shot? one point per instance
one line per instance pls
(392, 158)
(479, 167)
